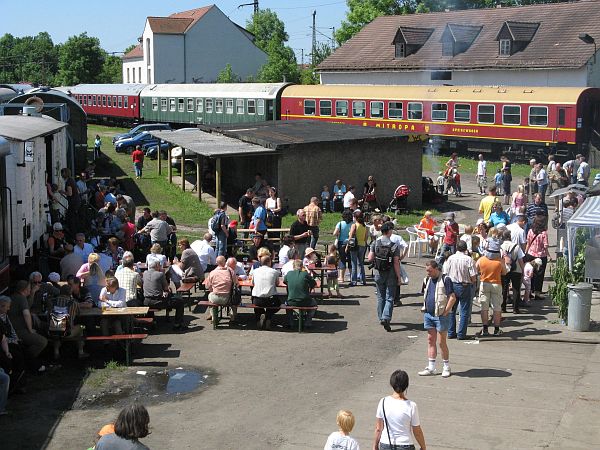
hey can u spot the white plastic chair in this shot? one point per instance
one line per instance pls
(417, 240)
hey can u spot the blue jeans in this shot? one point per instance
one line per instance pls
(357, 258)
(440, 323)
(138, 169)
(4, 385)
(386, 291)
(221, 244)
(445, 248)
(343, 256)
(542, 190)
(463, 305)
(314, 238)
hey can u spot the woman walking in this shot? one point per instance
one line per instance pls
(342, 233)
(358, 232)
(537, 247)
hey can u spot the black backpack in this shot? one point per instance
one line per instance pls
(216, 222)
(384, 256)
(513, 261)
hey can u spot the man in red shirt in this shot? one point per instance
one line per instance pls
(450, 238)
(138, 161)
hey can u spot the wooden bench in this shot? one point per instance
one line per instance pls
(298, 311)
(127, 339)
(185, 290)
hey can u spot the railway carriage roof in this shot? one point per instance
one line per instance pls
(108, 89)
(478, 94)
(23, 128)
(225, 90)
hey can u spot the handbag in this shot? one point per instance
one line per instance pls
(235, 297)
(351, 244)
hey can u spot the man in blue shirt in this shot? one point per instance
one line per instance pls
(260, 216)
(439, 301)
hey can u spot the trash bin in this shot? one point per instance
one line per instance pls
(580, 305)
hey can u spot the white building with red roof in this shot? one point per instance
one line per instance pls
(191, 47)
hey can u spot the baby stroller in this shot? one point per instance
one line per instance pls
(399, 203)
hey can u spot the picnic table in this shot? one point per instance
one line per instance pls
(270, 231)
(280, 284)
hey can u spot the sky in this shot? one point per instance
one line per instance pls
(118, 23)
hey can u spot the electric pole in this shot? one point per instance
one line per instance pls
(314, 37)
(255, 6)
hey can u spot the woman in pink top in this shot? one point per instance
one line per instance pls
(519, 199)
(537, 247)
(220, 282)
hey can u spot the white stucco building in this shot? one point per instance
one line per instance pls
(554, 44)
(191, 47)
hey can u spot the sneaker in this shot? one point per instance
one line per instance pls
(427, 372)
(498, 332)
(483, 332)
(262, 322)
(386, 325)
(446, 372)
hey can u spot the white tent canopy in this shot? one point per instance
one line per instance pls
(586, 216)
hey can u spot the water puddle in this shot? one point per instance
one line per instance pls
(145, 386)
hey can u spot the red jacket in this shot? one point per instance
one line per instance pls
(137, 156)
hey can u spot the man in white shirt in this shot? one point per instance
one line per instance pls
(82, 248)
(348, 196)
(517, 231)
(481, 175)
(237, 267)
(289, 265)
(542, 181)
(264, 292)
(515, 274)
(583, 172)
(206, 253)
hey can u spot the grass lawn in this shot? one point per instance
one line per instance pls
(469, 166)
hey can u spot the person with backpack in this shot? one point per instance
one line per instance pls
(385, 256)
(515, 253)
(219, 226)
(62, 312)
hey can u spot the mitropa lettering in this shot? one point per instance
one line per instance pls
(395, 126)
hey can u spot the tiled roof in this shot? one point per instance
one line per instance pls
(555, 44)
(168, 25)
(135, 52)
(463, 33)
(194, 14)
(413, 35)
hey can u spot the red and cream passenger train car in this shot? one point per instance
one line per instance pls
(459, 117)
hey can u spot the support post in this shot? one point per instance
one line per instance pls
(182, 169)
(218, 181)
(159, 159)
(169, 168)
(199, 176)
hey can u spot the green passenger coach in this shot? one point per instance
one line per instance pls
(211, 103)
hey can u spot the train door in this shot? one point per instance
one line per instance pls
(562, 114)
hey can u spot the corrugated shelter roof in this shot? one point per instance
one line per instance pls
(134, 53)
(23, 128)
(555, 44)
(169, 25)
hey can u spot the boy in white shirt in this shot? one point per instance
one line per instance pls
(341, 439)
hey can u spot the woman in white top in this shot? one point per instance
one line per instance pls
(155, 253)
(273, 206)
(288, 243)
(398, 418)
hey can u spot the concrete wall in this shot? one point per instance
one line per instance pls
(305, 169)
(593, 71)
(132, 65)
(167, 66)
(557, 78)
(238, 174)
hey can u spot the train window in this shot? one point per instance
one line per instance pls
(395, 110)
(85, 100)
(93, 100)
(561, 117)
(143, 103)
(260, 107)
(154, 104)
(125, 99)
(239, 106)
(190, 105)
(538, 116)
(219, 106)
(358, 108)
(462, 112)
(114, 101)
(181, 104)
(229, 106)
(310, 107)
(104, 100)
(163, 104)
(109, 101)
(251, 106)
(486, 113)
(377, 109)
(120, 101)
(439, 112)
(199, 105)
(341, 108)
(325, 107)
(209, 105)
(90, 100)
(415, 111)
(172, 104)
(511, 115)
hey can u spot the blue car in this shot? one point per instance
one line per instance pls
(151, 149)
(137, 130)
(129, 144)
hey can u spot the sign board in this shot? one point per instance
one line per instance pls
(28, 151)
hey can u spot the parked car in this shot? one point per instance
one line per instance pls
(137, 130)
(190, 163)
(128, 145)
(151, 149)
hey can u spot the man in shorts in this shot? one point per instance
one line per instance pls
(491, 267)
(439, 300)
(481, 174)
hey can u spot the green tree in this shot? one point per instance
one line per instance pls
(228, 76)
(81, 60)
(129, 48)
(266, 26)
(112, 69)
(308, 75)
(30, 58)
(7, 64)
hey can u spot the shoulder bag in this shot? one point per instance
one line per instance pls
(235, 298)
(387, 426)
(529, 257)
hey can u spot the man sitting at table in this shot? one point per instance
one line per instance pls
(130, 280)
(264, 292)
(158, 295)
(299, 283)
(258, 241)
(189, 268)
(293, 255)
(205, 252)
(219, 283)
(237, 267)
(112, 296)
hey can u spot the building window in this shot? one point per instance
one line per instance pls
(395, 110)
(400, 50)
(163, 104)
(149, 74)
(325, 107)
(439, 112)
(377, 110)
(504, 47)
(251, 106)
(441, 75)
(125, 101)
(133, 71)
(538, 116)
(209, 105)
(154, 104)
(239, 106)
(229, 106)
(190, 105)
(219, 106)
(140, 74)
(462, 112)
(341, 108)
(199, 105)
(486, 114)
(260, 107)
(104, 100)
(415, 111)
(358, 108)
(128, 75)
(511, 115)
(147, 52)
(310, 107)
(120, 101)
(172, 105)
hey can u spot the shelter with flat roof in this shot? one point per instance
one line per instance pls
(300, 157)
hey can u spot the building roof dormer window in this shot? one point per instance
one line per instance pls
(409, 40)
(457, 38)
(515, 36)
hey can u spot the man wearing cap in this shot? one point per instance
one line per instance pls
(481, 176)
(300, 231)
(385, 256)
(339, 190)
(461, 270)
(313, 219)
(486, 204)
(491, 268)
(450, 237)
(138, 161)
